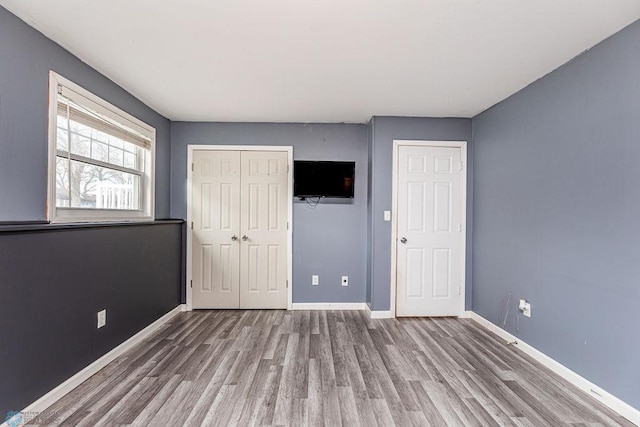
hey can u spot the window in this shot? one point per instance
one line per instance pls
(101, 159)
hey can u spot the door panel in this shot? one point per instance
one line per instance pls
(264, 192)
(415, 273)
(216, 219)
(429, 231)
(441, 273)
(442, 207)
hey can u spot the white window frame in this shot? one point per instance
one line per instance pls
(147, 201)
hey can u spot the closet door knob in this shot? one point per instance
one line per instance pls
(403, 240)
(234, 237)
(245, 238)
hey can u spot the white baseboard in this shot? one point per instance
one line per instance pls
(379, 314)
(54, 395)
(328, 306)
(386, 314)
(621, 407)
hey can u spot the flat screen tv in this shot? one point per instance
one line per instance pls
(323, 179)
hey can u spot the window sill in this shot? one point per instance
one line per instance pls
(34, 226)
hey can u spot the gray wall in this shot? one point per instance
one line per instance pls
(26, 56)
(385, 131)
(53, 283)
(557, 168)
(329, 240)
(369, 212)
(54, 280)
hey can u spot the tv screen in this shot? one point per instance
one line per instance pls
(323, 179)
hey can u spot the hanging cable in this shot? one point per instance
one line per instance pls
(312, 202)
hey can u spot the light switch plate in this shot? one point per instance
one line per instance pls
(387, 215)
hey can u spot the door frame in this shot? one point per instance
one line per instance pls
(397, 143)
(289, 150)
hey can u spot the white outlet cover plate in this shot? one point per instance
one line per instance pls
(315, 280)
(102, 318)
(345, 280)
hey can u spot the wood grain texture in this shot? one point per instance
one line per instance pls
(275, 367)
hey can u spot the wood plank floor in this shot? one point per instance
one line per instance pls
(260, 367)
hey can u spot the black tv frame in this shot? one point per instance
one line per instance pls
(303, 193)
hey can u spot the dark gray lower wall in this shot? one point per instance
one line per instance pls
(557, 168)
(328, 240)
(385, 131)
(53, 283)
(26, 56)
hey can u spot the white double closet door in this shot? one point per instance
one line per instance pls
(239, 238)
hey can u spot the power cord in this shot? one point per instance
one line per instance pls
(312, 202)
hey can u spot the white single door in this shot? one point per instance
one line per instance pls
(215, 213)
(263, 247)
(429, 231)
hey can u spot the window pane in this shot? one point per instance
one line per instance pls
(116, 156)
(62, 140)
(62, 182)
(99, 151)
(131, 148)
(62, 122)
(81, 129)
(102, 188)
(80, 144)
(95, 144)
(130, 161)
(116, 142)
(100, 136)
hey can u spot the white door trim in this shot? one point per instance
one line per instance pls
(394, 214)
(289, 150)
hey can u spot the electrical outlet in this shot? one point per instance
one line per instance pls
(525, 307)
(315, 280)
(387, 215)
(345, 280)
(102, 318)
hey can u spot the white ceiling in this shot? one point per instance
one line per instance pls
(324, 60)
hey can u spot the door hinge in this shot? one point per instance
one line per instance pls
(459, 228)
(461, 166)
(192, 225)
(192, 166)
(191, 284)
(287, 168)
(287, 226)
(59, 89)
(287, 284)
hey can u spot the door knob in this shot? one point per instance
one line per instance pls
(245, 238)
(234, 237)
(403, 240)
